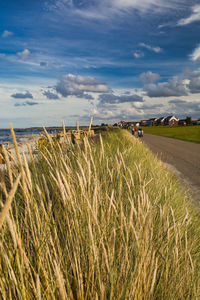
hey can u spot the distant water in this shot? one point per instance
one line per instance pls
(5, 135)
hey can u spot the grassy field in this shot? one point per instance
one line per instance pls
(185, 133)
(103, 221)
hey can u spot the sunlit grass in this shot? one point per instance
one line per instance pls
(101, 220)
(186, 133)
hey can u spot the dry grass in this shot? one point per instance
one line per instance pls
(106, 221)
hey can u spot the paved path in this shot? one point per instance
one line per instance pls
(183, 157)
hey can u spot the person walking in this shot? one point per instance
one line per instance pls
(140, 132)
(135, 132)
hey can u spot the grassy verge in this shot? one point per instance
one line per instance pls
(185, 133)
(106, 221)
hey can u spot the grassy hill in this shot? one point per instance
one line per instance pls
(104, 220)
(185, 133)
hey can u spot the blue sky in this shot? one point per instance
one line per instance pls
(113, 59)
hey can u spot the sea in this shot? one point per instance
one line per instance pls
(25, 134)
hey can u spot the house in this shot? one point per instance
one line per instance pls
(151, 122)
(143, 122)
(195, 122)
(160, 121)
(121, 123)
(182, 122)
(171, 121)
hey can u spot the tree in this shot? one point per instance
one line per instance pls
(188, 120)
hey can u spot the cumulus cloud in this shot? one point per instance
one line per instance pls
(195, 54)
(194, 81)
(77, 85)
(26, 95)
(183, 107)
(24, 54)
(195, 16)
(7, 33)
(50, 95)
(111, 98)
(174, 87)
(138, 54)
(151, 48)
(149, 77)
(27, 103)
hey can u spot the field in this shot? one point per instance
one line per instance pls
(185, 133)
(103, 220)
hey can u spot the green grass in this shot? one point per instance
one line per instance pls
(103, 221)
(185, 133)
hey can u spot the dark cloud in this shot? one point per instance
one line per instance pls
(194, 85)
(77, 85)
(43, 64)
(174, 87)
(50, 95)
(85, 96)
(182, 107)
(149, 77)
(111, 98)
(151, 106)
(27, 103)
(26, 95)
(177, 101)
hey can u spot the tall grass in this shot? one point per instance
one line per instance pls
(101, 220)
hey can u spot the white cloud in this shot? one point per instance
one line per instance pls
(7, 33)
(101, 9)
(24, 54)
(77, 85)
(149, 77)
(195, 16)
(195, 54)
(151, 48)
(138, 54)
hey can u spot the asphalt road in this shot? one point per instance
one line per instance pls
(183, 158)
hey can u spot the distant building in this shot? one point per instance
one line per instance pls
(143, 122)
(171, 121)
(151, 122)
(182, 122)
(195, 122)
(122, 123)
(160, 121)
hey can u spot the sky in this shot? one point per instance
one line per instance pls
(110, 59)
